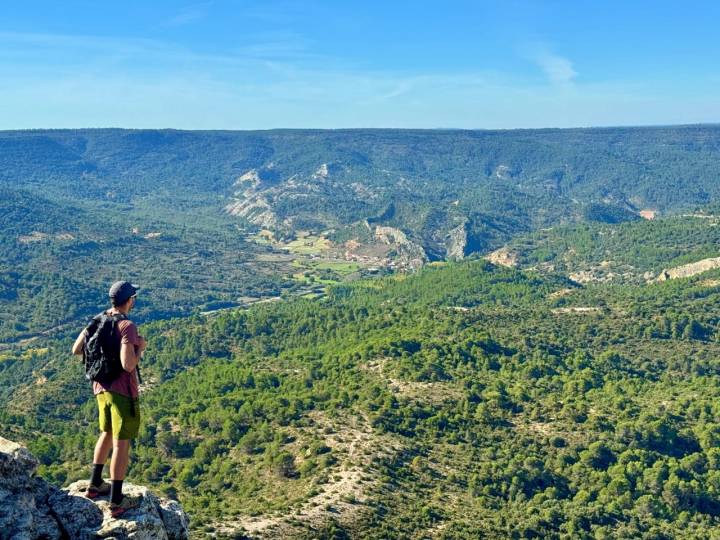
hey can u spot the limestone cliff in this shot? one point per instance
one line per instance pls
(30, 508)
(688, 270)
(456, 242)
(251, 203)
(411, 255)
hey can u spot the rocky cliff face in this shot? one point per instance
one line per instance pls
(30, 508)
(250, 201)
(456, 242)
(688, 270)
(410, 254)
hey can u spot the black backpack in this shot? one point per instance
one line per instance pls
(101, 351)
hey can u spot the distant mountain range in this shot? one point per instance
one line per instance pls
(450, 192)
(206, 219)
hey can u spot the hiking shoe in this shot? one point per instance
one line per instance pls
(128, 503)
(97, 491)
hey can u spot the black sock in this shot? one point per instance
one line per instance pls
(116, 495)
(96, 478)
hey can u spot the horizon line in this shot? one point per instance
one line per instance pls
(239, 130)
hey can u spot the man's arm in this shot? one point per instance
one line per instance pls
(77, 347)
(129, 358)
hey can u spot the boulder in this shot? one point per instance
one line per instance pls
(23, 498)
(30, 508)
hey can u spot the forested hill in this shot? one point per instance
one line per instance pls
(637, 251)
(463, 400)
(205, 220)
(483, 185)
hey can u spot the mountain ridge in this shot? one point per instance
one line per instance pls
(499, 184)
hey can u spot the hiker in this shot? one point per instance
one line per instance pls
(111, 349)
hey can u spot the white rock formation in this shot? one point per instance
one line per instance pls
(688, 270)
(456, 242)
(411, 254)
(322, 172)
(503, 257)
(30, 508)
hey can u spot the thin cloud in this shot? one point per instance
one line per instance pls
(399, 89)
(278, 46)
(29, 42)
(275, 81)
(188, 15)
(22, 52)
(558, 69)
(388, 86)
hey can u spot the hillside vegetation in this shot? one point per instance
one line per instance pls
(487, 185)
(630, 252)
(465, 399)
(572, 396)
(59, 257)
(179, 210)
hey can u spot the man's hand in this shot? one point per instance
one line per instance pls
(142, 344)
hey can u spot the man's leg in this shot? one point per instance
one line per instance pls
(118, 468)
(102, 448)
(100, 456)
(120, 459)
(126, 423)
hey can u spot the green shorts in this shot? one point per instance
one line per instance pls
(119, 415)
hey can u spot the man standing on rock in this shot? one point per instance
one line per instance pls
(115, 385)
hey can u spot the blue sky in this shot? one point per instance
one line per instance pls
(330, 64)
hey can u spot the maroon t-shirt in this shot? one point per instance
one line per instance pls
(127, 383)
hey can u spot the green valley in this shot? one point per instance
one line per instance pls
(330, 354)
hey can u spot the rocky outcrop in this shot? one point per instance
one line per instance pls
(456, 242)
(410, 254)
(24, 512)
(503, 172)
(321, 173)
(250, 203)
(688, 270)
(254, 208)
(648, 213)
(259, 192)
(30, 508)
(503, 257)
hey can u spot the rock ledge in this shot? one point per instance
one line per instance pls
(30, 508)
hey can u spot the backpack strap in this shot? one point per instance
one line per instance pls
(114, 319)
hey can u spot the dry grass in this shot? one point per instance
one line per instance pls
(354, 444)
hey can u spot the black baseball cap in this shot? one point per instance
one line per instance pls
(121, 291)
